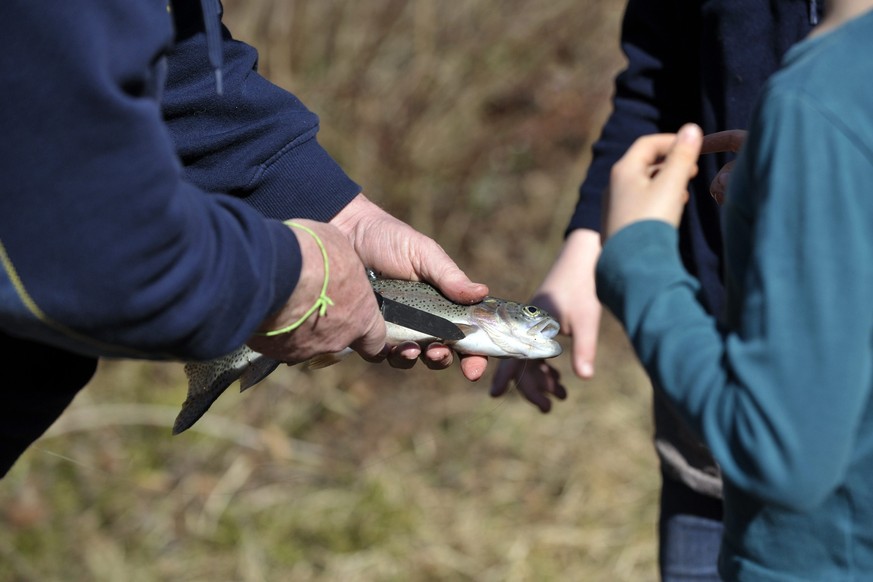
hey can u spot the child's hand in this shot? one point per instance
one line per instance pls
(650, 182)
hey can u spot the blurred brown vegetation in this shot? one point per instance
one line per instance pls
(473, 122)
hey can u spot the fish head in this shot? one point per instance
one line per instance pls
(517, 330)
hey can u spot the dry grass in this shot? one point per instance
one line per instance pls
(474, 125)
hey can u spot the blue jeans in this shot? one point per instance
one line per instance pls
(690, 532)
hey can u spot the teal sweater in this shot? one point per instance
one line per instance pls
(782, 393)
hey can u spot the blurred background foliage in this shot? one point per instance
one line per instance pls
(472, 121)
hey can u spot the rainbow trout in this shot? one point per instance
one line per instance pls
(493, 327)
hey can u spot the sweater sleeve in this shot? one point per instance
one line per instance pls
(256, 140)
(104, 242)
(784, 388)
(660, 79)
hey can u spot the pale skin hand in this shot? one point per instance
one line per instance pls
(644, 185)
(723, 141)
(650, 182)
(396, 250)
(352, 321)
(568, 294)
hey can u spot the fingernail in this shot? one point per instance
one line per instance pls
(690, 132)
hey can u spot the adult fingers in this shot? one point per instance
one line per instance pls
(730, 140)
(473, 367)
(437, 356)
(438, 268)
(404, 356)
(539, 382)
(507, 371)
(719, 185)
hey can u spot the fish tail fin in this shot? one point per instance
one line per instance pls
(208, 380)
(200, 398)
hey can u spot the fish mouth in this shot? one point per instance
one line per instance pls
(548, 328)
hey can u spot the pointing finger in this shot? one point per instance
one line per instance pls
(723, 141)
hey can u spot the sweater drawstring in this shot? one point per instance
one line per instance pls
(212, 23)
(813, 12)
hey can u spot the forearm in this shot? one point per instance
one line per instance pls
(756, 395)
(656, 92)
(100, 230)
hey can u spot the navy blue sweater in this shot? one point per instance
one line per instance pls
(122, 229)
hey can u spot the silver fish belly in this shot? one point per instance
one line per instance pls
(493, 327)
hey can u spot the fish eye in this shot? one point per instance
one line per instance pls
(531, 310)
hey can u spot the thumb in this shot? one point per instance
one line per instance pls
(438, 268)
(457, 286)
(681, 162)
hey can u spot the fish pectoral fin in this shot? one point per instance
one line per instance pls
(499, 338)
(327, 360)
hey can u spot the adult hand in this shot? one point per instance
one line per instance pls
(650, 182)
(723, 141)
(568, 294)
(395, 249)
(354, 319)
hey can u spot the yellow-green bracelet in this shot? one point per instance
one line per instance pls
(323, 301)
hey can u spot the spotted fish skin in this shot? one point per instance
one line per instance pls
(421, 296)
(493, 327)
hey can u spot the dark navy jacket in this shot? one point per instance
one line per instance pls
(701, 61)
(133, 194)
(692, 61)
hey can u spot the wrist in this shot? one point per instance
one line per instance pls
(310, 296)
(348, 220)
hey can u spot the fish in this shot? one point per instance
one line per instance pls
(493, 327)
